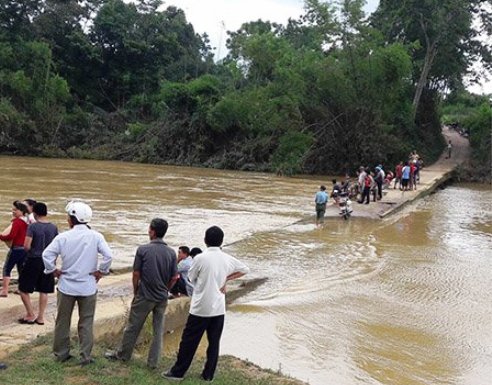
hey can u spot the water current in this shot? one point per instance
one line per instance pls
(402, 301)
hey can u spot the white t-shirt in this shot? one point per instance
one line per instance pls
(208, 275)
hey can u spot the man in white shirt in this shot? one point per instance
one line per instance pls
(78, 249)
(209, 273)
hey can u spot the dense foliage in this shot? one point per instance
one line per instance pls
(472, 116)
(324, 93)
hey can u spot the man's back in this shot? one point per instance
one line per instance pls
(321, 197)
(156, 263)
(42, 233)
(79, 248)
(208, 275)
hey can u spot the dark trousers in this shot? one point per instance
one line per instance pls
(179, 287)
(192, 334)
(380, 189)
(365, 194)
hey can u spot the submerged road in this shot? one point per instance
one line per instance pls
(431, 177)
(115, 291)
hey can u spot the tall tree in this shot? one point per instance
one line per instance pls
(448, 36)
(140, 46)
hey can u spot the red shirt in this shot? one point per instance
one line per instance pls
(17, 233)
(412, 169)
(398, 171)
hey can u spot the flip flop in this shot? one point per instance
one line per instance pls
(4, 295)
(26, 321)
(37, 322)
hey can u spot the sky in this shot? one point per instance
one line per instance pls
(216, 17)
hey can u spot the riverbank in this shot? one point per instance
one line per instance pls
(431, 178)
(114, 299)
(33, 364)
(27, 348)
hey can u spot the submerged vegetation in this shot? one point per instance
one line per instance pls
(324, 93)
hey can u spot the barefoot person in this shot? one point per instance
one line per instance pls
(16, 236)
(78, 249)
(32, 278)
(208, 274)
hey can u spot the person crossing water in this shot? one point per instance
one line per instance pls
(320, 199)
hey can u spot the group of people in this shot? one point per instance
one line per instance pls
(371, 182)
(35, 246)
(28, 234)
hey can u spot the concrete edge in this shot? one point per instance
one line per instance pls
(427, 191)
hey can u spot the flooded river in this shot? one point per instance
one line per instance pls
(397, 302)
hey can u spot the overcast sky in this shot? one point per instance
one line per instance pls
(215, 17)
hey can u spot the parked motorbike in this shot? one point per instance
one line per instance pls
(345, 205)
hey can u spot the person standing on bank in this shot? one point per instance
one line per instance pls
(209, 274)
(154, 273)
(379, 179)
(32, 278)
(320, 200)
(15, 236)
(78, 249)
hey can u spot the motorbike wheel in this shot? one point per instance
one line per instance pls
(346, 215)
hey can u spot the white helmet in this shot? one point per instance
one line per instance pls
(79, 210)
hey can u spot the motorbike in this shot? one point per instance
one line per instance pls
(345, 205)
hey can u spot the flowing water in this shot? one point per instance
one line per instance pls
(399, 302)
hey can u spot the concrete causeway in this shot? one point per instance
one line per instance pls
(431, 177)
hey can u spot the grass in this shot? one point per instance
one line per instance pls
(34, 365)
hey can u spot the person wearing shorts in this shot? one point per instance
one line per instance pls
(16, 254)
(405, 176)
(32, 278)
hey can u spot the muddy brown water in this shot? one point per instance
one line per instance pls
(400, 302)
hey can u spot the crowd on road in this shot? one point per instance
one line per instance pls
(371, 183)
(80, 257)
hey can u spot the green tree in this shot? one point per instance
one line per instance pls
(140, 46)
(33, 95)
(444, 36)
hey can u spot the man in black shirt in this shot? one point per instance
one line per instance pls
(32, 278)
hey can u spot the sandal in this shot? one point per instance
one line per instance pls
(24, 321)
(37, 322)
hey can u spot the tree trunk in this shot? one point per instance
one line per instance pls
(429, 59)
